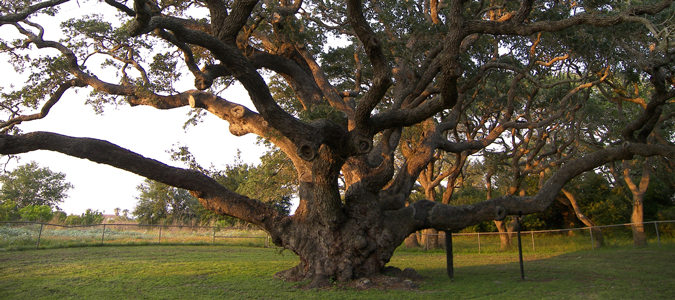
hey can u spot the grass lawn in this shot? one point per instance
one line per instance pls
(230, 272)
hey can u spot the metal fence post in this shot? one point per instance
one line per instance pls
(479, 242)
(39, 236)
(448, 255)
(533, 250)
(590, 229)
(656, 225)
(520, 247)
(103, 235)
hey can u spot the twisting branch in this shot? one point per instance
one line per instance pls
(428, 214)
(210, 193)
(23, 14)
(323, 82)
(56, 96)
(202, 81)
(130, 12)
(382, 79)
(519, 28)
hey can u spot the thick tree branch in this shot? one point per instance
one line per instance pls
(517, 28)
(56, 96)
(382, 79)
(427, 214)
(24, 13)
(130, 12)
(210, 193)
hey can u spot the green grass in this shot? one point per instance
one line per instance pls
(231, 272)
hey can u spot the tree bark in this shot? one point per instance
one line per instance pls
(504, 237)
(638, 192)
(411, 240)
(597, 233)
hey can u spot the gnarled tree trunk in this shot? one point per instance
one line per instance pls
(637, 215)
(597, 233)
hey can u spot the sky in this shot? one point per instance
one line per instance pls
(144, 130)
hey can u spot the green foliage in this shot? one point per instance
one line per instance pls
(159, 203)
(59, 217)
(8, 211)
(36, 213)
(73, 220)
(30, 184)
(601, 202)
(273, 181)
(89, 217)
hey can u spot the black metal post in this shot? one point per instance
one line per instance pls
(448, 255)
(520, 247)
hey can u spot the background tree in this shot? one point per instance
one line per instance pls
(39, 213)
(89, 217)
(510, 68)
(270, 182)
(30, 185)
(160, 203)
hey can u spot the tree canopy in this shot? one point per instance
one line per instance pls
(32, 185)
(365, 99)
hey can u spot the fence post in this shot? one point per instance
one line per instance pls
(214, 235)
(103, 235)
(590, 229)
(533, 250)
(657, 233)
(159, 239)
(39, 236)
(520, 247)
(479, 243)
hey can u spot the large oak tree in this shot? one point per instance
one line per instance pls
(342, 87)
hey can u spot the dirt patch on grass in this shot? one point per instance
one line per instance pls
(392, 278)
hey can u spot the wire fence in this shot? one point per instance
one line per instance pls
(18, 235)
(657, 233)
(22, 235)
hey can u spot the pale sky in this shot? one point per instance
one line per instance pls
(144, 130)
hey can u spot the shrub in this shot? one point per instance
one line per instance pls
(73, 220)
(59, 217)
(8, 211)
(90, 217)
(36, 213)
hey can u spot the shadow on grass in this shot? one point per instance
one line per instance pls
(610, 273)
(199, 272)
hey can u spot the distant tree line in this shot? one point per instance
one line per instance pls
(32, 193)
